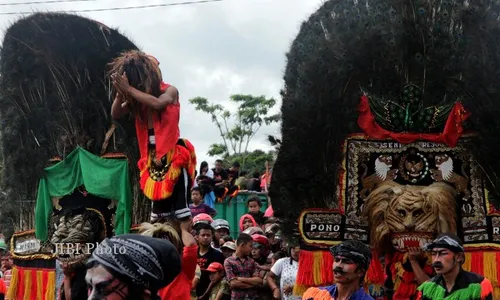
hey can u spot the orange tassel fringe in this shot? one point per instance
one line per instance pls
(32, 284)
(178, 158)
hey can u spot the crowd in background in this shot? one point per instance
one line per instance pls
(257, 264)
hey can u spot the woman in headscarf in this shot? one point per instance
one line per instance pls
(247, 221)
(131, 267)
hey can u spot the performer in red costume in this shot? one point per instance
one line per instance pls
(167, 163)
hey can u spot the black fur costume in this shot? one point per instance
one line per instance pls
(55, 96)
(449, 48)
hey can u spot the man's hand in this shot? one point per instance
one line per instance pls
(276, 293)
(187, 224)
(288, 289)
(121, 83)
(414, 253)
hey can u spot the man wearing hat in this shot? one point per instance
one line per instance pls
(351, 261)
(228, 249)
(451, 281)
(131, 267)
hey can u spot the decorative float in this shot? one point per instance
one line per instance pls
(390, 136)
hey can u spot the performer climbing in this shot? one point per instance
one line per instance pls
(167, 162)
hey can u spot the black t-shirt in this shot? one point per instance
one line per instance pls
(233, 175)
(253, 184)
(220, 176)
(204, 261)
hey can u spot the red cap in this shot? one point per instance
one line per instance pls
(215, 267)
(261, 239)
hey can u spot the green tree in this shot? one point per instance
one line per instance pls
(254, 160)
(237, 128)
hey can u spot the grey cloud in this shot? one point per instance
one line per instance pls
(242, 42)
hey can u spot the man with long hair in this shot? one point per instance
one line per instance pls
(167, 163)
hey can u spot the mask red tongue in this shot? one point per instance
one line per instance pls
(412, 244)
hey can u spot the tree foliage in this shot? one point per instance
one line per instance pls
(237, 128)
(255, 161)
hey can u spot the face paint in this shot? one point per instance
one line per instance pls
(444, 260)
(344, 270)
(103, 285)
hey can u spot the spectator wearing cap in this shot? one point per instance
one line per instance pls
(228, 249)
(260, 250)
(253, 230)
(271, 229)
(201, 219)
(131, 267)
(222, 229)
(218, 288)
(451, 281)
(351, 261)
(260, 254)
(206, 255)
(254, 205)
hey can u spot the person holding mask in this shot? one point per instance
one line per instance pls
(451, 281)
(351, 261)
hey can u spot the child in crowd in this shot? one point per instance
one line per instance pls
(197, 207)
(218, 288)
(254, 205)
(228, 249)
(224, 239)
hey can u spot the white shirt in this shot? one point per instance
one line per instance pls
(288, 274)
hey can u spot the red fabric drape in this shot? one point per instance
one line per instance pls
(450, 135)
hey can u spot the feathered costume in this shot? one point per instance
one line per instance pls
(58, 141)
(379, 94)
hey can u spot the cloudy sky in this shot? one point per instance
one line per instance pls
(211, 50)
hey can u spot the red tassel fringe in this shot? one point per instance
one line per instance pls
(305, 273)
(375, 273)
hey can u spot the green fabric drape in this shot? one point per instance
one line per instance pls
(105, 178)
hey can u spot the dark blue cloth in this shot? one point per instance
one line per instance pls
(358, 295)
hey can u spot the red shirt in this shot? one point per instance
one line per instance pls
(166, 128)
(180, 288)
(3, 287)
